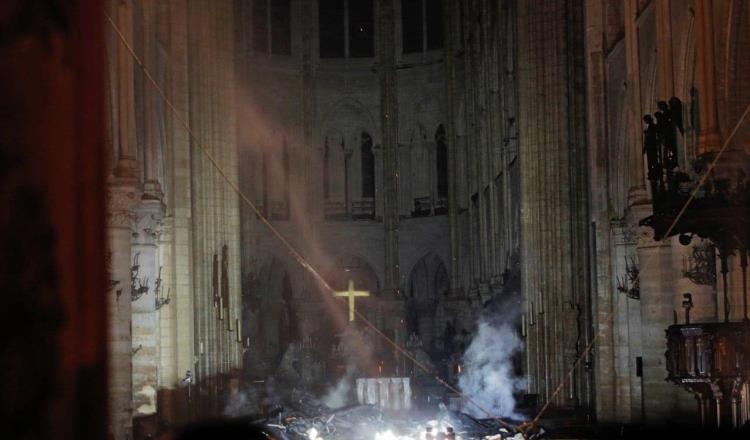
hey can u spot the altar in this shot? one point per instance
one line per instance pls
(392, 393)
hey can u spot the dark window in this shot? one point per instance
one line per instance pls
(331, 28)
(442, 162)
(281, 38)
(260, 26)
(361, 43)
(411, 25)
(368, 167)
(434, 24)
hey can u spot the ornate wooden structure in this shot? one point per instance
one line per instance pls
(712, 360)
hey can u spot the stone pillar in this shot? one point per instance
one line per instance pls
(553, 197)
(662, 401)
(388, 80)
(145, 329)
(122, 86)
(635, 125)
(664, 51)
(167, 353)
(123, 198)
(213, 203)
(152, 145)
(181, 188)
(709, 138)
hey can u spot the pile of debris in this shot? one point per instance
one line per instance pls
(367, 422)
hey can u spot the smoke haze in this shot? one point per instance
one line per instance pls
(488, 376)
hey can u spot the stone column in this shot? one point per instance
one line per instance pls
(179, 199)
(664, 51)
(603, 249)
(662, 400)
(145, 329)
(214, 205)
(152, 144)
(624, 352)
(635, 126)
(122, 86)
(388, 81)
(168, 374)
(553, 191)
(709, 138)
(123, 198)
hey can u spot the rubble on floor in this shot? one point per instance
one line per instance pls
(368, 422)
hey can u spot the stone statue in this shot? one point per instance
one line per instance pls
(675, 108)
(651, 148)
(668, 135)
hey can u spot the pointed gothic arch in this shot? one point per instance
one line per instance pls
(428, 284)
(349, 161)
(275, 323)
(367, 162)
(334, 174)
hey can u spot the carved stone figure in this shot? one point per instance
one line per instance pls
(675, 108)
(668, 135)
(651, 148)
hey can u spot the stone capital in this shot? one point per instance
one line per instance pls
(149, 221)
(152, 190)
(122, 198)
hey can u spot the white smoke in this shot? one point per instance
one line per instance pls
(356, 349)
(488, 376)
(242, 403)
(338, 395)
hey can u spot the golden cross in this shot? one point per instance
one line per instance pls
(351, 293)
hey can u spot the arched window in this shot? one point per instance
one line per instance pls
(335, 176)
(421, 25)
(346, 28)
(368, 166)
(271, 27)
